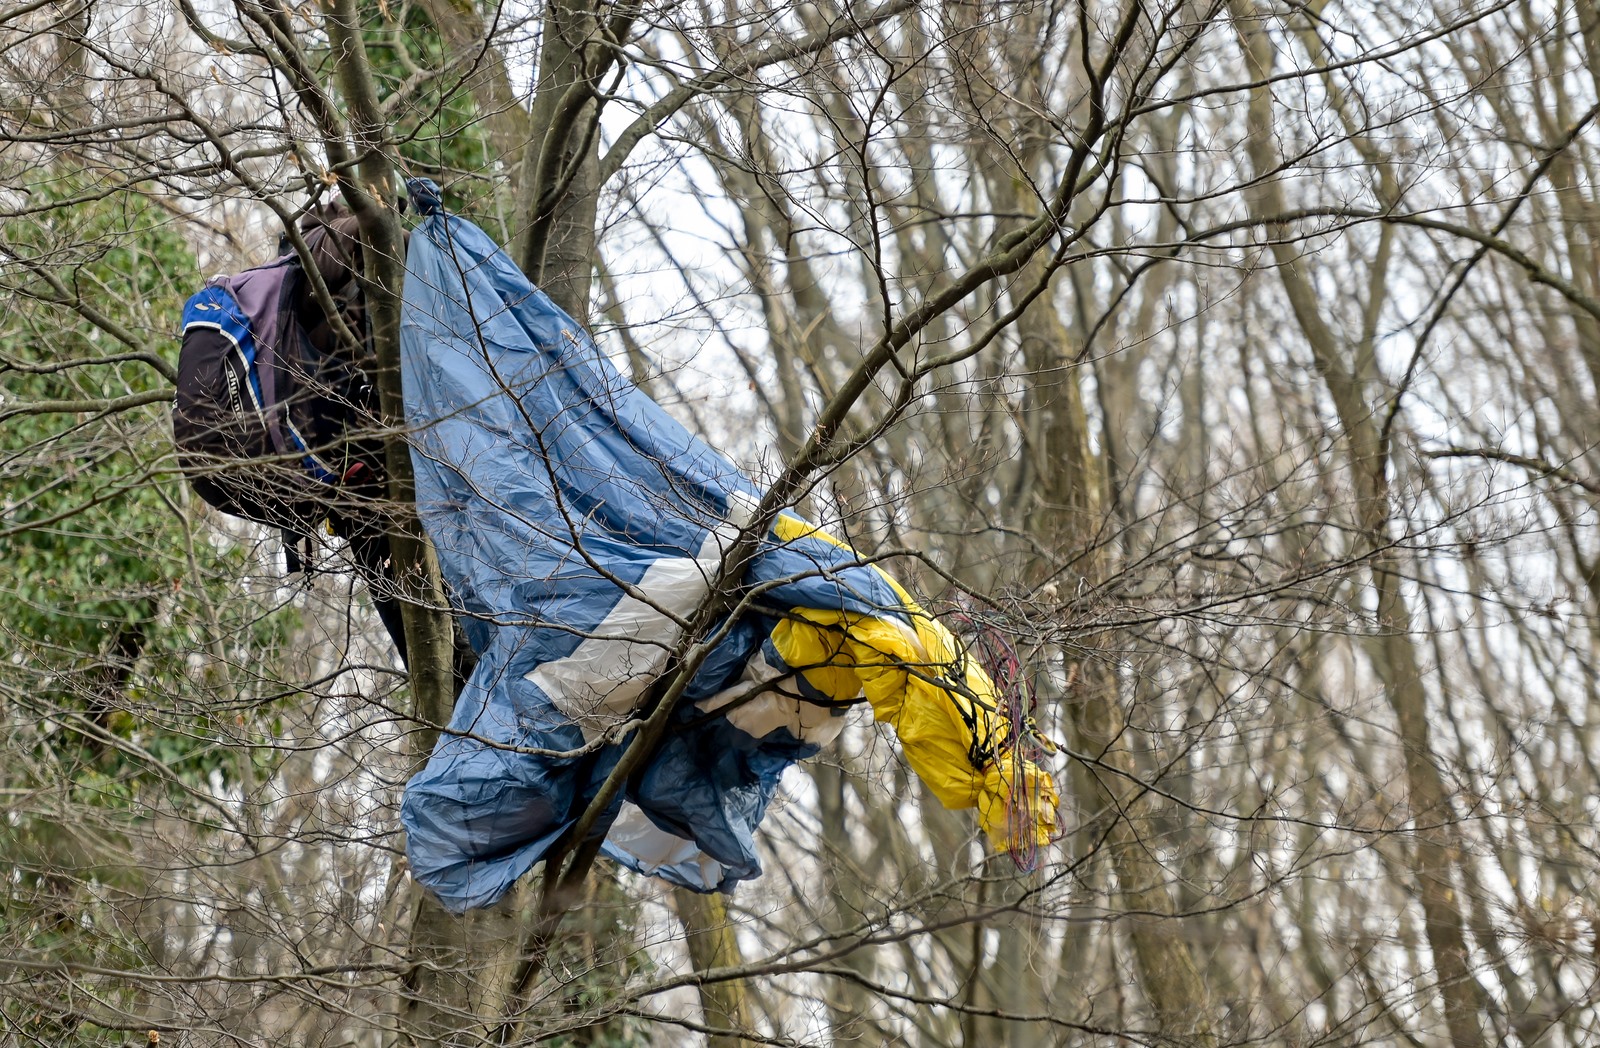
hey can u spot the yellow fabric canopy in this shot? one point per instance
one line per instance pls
(941, 704)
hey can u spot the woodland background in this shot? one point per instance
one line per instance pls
(1238, 358)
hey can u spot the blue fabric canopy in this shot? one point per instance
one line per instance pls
(576, 524)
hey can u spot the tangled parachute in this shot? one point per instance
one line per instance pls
(578, 526)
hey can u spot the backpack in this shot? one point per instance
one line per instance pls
(270, 411)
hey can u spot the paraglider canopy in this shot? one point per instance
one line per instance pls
(580, 527)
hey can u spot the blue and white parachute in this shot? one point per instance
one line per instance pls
(577, 524)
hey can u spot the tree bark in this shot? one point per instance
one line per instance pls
(712, 943)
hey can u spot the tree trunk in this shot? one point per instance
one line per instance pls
(439, 942)
(1390, 648)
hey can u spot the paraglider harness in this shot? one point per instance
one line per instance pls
(275, 417)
